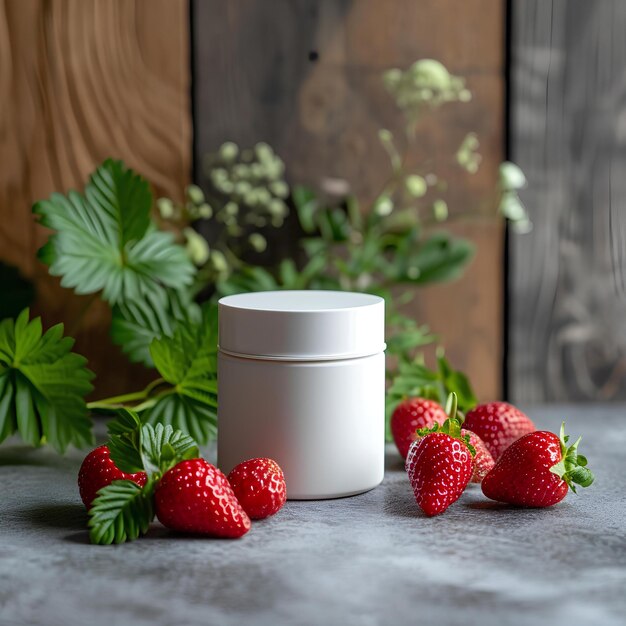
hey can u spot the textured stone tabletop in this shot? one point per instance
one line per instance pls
(369, 559)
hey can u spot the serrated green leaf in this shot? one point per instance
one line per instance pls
(105, 241)
(121, 512)
(124, 450)
(162, 447)
(125, 422)
(135, 324)
(42, 385)
(188, 361)
(124, 441)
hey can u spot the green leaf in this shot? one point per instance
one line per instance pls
(124, 441)
(121, 512)
(163, 447)
(135, 324)
(125, 422)
(437, 259)
(404, 334)
(125, 453)
(288, 274)
(188, 361)
(42, 385)
(413, 379)
(105, 241)
(246, 279)
(17, 292)
(454, 381)
(306, 207)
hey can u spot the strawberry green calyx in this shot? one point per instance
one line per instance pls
(451, 427)
(572, 468)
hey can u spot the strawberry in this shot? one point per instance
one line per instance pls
(195, 497)
(259, 485)
(98, 470)
(537, 470)
(483, 461)
(409, 416)
(439, 465)
(498, 424)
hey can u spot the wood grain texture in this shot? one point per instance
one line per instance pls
(568, 339)
(255, 81)
(83, 80)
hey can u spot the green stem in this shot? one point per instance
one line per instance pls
(155, 383)
(126, 397)
(151, 401)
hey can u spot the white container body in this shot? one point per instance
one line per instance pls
(322, 421)
(302, 381)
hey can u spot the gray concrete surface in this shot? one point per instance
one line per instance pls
(370, 559)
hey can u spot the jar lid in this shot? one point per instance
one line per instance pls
(302, 325)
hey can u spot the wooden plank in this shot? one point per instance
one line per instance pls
(84, 80)
(257, 79)
(568, 129)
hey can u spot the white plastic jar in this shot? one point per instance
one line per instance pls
(302, 381)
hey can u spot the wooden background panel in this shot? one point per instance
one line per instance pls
(83, 80)
(568, 305)
(256, 80)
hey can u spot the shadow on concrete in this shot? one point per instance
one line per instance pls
(38, 457)
(80, 538)
(71, 517)
(68, 516)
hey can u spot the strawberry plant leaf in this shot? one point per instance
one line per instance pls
(163, 447)
(121, 512)
(188, 361)
(136, 323)
(105, 240)
(454, 381)
(124, 441)
(42, 385)
(125, 421)
(124, 450)
(413, 379)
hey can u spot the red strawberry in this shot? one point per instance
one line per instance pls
(537, 470)
(259, 485)
(195, 497)
(483, 461)
(98, 471)
(411, 415)
(440, 466)
(498, 424)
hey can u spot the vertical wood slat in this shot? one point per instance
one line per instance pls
(568, 338)
(255, 81)
(83, 80)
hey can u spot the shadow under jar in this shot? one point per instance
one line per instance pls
(302, 381)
